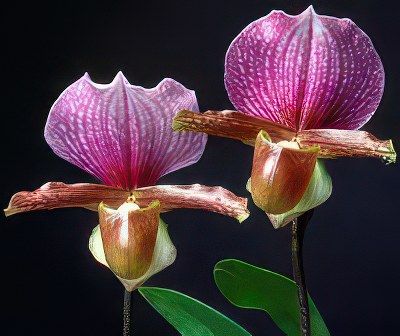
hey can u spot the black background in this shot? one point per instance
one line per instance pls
(50, 283)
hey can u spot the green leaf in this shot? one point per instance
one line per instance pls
(248, 286)
(189, 316)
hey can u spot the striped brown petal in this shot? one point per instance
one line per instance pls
(280, 174)
(240, 126)
(54, 195)
(129, 237)
(230, 124)
(349, 143)
(195, 196)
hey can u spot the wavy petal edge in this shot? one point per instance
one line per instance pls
(305, 71)
(121, 133)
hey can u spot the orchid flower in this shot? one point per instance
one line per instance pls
(122, 135)
(304, 85)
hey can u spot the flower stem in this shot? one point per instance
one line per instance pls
(127, 313)
(298, 230)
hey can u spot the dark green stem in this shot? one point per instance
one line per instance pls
(298, 230)
(127, 313)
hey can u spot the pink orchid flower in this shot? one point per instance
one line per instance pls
(304, 85)
(122, 135)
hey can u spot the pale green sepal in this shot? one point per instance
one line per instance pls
(163, 256)
(96, 246)
(318, 191)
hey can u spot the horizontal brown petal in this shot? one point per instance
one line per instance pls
(349, 143)
(129, 237)
(196, 196)
(280, 175)
(54, 195)
(240, 126)
(231, 124)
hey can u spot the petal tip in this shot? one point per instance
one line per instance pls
(392, 155)
(177, 124)
(11, 208)
(120, 78)
(86, 76)
(279, 221)
(9, 211)
(243, 216)
(310, 9)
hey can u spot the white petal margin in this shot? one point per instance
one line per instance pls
(163, 256)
